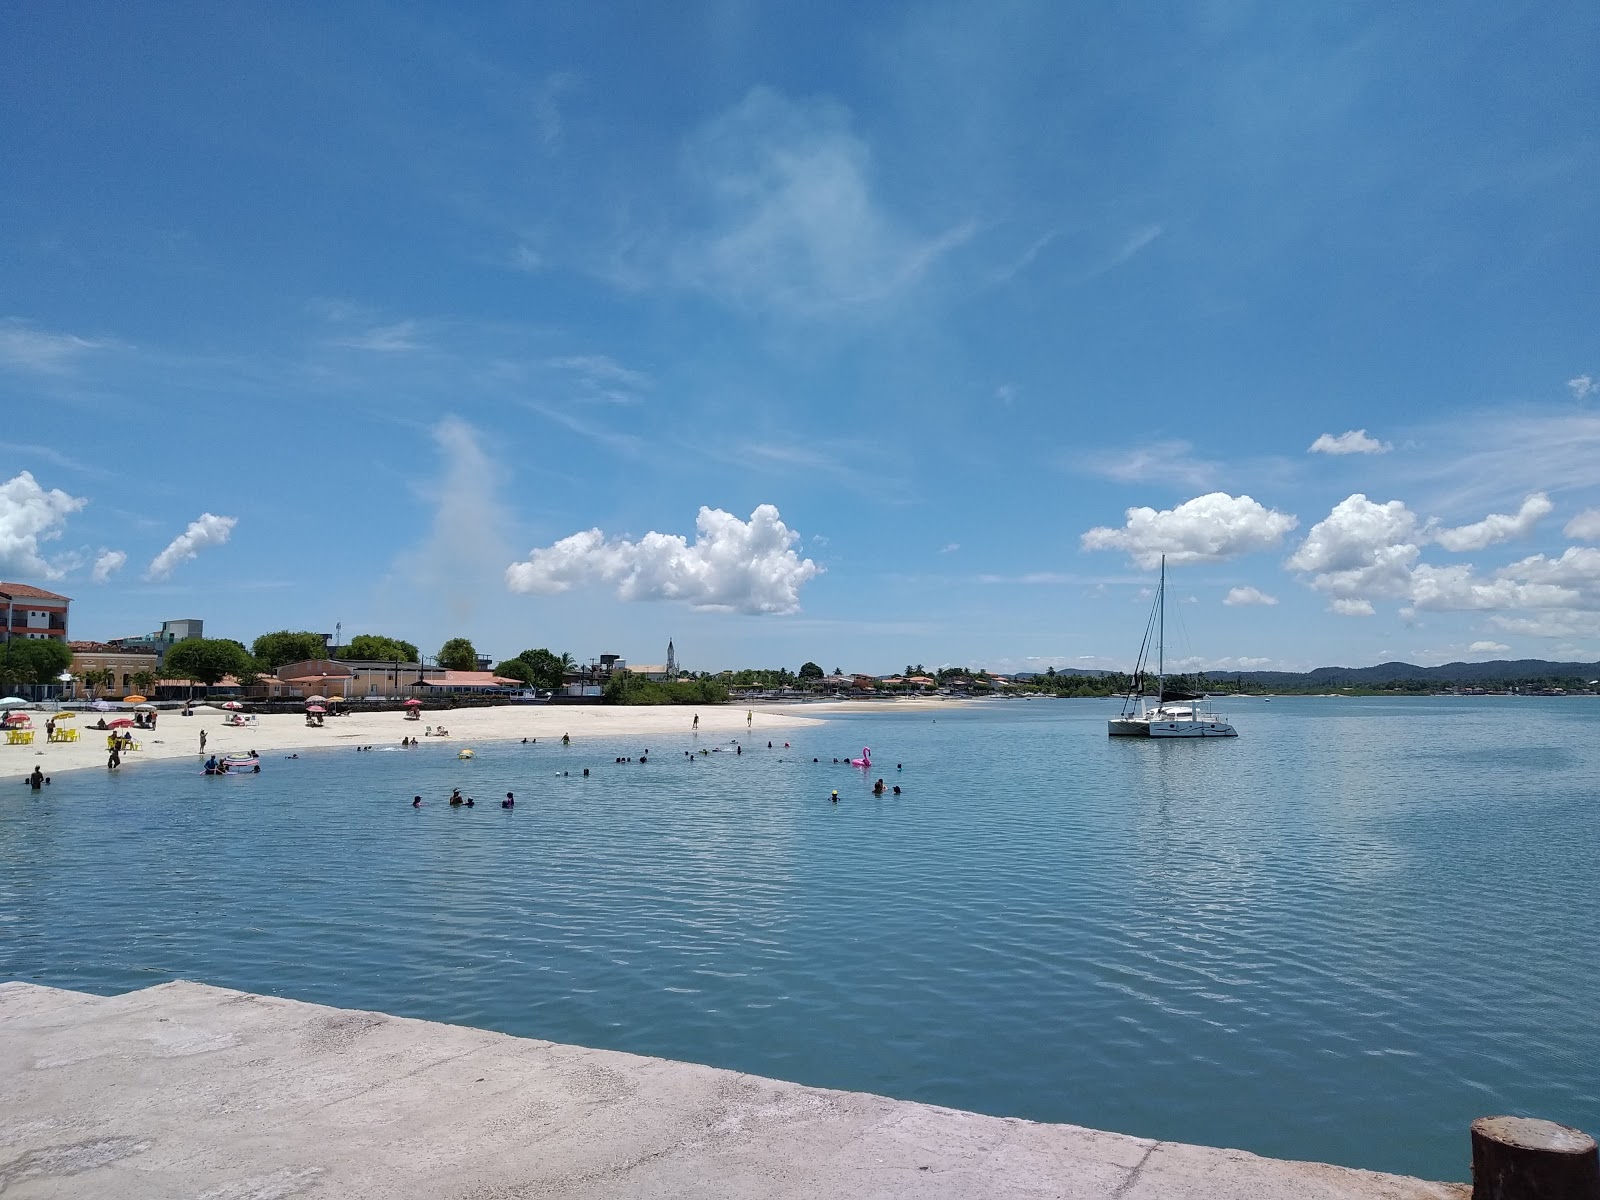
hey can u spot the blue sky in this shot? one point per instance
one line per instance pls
(371, 314)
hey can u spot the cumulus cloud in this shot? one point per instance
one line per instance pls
(1571, 581)
(1354, 441)
(1208, 528)
(950, 548)
(30, 515)
(108, 564)
(1360, 549)
(206, 530)
(732, 565)
(1585, 526)
(1488, 648)
(1582, 387)
(1346, 607)
(1248, 595)
(795, 223)
(1496, 527)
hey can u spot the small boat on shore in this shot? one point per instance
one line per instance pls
(1175, 714)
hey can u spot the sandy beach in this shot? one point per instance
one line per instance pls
(178, 737)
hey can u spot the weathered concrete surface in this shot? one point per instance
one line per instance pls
(193, 1091)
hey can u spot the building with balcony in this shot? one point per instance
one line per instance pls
(159, 642)
(123, 665)
(33, 612)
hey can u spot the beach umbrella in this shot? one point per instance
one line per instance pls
(133, 699)
(413, 703)
(16, 718)
(316, 699)
(146, 706)
(98, 705)
(233, 704)
(66, 716)
(14, 702)
(317, 708)
(119, 723)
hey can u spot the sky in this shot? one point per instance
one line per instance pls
(871, 335)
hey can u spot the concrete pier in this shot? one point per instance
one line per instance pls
(194, 1091)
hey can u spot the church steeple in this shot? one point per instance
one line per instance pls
(672, 662)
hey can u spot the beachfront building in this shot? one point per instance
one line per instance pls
(159, 642)
(123, 664)
(466, 683)
(33, 612)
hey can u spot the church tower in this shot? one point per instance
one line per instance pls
(672, 662)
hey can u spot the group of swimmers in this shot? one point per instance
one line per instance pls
(37, 780)
(457, 800)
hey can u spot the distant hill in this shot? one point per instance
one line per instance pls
(1473, 673)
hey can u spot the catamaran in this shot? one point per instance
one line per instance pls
(1174, 714)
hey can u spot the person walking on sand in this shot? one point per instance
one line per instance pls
(697, 722)
(748, 717)
(202, 741)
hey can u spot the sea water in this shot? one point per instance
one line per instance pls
(1340, 937)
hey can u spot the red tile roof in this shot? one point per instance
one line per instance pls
(24, 591)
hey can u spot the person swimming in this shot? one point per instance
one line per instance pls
(471, 803)
(509, 802)
(456, 798)
(586, 772)
(836, 795)
(416, 802)
(897, 789)
(877, 788)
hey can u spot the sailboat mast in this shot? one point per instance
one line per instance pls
(1161, 632)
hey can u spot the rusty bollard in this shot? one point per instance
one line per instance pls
(1523, 1158)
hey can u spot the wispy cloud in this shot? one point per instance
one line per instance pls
(23, 346)
(1582, 387)
(1131, 246)
(1170, 461)
(797, 227)
(107, 563)
(601, 378)
(397, 338)
(626, 444)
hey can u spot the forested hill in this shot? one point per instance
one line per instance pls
(1473, 674)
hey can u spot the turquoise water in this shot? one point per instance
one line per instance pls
(1340, 937)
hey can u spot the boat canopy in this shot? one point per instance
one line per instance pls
(1168, 695)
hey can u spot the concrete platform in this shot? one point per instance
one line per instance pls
(184, 1090)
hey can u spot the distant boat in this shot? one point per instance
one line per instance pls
(1174, 714)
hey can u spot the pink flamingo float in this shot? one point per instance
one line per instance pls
(865, 760)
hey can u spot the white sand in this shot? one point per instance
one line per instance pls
(178, 737)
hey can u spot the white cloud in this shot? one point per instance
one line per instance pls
(796, 226)
(1354, 441)
(21, 345)
(29, 515)
(1208, 528)
(1172, 461)
(949, 548)
(1345, 607)
(732, 565)
(206, 530)
(1496, 527)
(1582, 387)
(1248, 595)
(1488, 648)
(1556, 624)
(1537, 582)
(398, 338)
(1585, 526)
(1360, 549)
(108, 564)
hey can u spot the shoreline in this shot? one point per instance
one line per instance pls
(176, 737)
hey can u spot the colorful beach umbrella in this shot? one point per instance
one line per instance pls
(316, 699)
(133, 699)
(233, 704)
(413, 703)
(16, 718)
(317, 708)
(119, 723)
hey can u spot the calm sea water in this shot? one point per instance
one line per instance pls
(1340, 937)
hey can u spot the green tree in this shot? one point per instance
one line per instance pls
(376, 647)
(537, 668)
(810, 670)
(207, 660)
(272, 650)
(458, 655)
(145, 680)
(34, 660)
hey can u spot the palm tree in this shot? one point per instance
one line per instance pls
(145, 680)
